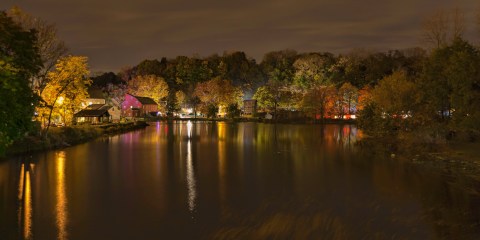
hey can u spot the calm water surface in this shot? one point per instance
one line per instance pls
(202, 180)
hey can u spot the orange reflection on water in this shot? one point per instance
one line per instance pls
(20, 185)
(25, 198)
(222, 163)
(61, 212)
(27, 225)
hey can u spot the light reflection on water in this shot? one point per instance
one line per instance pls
(25, 208)
(61, 211)
(27, 227)
(191, 180)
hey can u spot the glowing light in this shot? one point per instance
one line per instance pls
(27, 224)
(60, 100)
(191, 182)
(20, 185)
(189, 129)
(61, 207)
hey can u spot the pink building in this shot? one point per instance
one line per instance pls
(135, 106)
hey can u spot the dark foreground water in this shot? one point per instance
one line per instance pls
(232, 181)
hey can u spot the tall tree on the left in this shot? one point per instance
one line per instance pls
(19, 61)
(49, 46)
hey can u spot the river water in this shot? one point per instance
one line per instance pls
(217, 180)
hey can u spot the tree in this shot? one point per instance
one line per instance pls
(317, 100)
(149, 67)
(451, 83)
(149, 86)
(395, 94)
(181, 97)
(115, 94)
(19, 61)
(49, 46)
(243, 71)
(392, 106)
(101, 81)
(349, 97)
(278, 66)
(66, 88)
(312, 69)
(443, 27)
(273, 96)
(218, 93)
(436, 29)
(233, 110)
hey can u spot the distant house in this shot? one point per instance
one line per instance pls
(95, 96)
(135, 106)
(93, 114)
(249, 107)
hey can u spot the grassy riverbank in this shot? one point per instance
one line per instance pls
(59, 137)
(454, 156)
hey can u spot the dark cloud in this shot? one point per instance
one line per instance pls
(116, 33)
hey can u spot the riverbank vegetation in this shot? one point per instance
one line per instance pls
(60, 137)
(422, 95)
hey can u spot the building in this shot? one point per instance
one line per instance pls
(135, 106)
(249, 107)
(93, 114)
(95, 96)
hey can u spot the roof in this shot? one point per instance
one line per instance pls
(145, 100)
(94, 106)
(92, 113)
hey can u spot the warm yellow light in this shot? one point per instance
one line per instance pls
(60, 100)
(61, 197)
(27, 225)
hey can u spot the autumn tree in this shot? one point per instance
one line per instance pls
(349, 97)
(273, 96)
(217, 93)
(19, 61)
(66, 88)
(393, 102)
(364, 97)
(150, 86)
(317, 100)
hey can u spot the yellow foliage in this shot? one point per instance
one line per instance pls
(66, 88)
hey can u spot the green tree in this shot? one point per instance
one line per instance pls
(19, 61)
(451, 81)
(278, 66)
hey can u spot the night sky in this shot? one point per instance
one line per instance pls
(117, 33)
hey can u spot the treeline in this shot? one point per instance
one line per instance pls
(318, 83)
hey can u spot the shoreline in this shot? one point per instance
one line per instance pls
(62, 137)
(453, 156)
